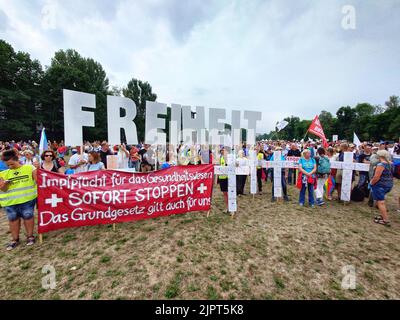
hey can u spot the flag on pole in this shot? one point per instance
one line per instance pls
(316, 128)
(281, 125)
(356, 141)
(43, 146)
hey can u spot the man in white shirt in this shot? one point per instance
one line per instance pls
(77, 162)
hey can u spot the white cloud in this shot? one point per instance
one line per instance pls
(282, 57)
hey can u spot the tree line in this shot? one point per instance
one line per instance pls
(369, 122)
(31, 98)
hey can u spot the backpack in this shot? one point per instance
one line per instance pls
(324, 166)
(357, 194)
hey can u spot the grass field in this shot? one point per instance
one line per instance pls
(268, 251)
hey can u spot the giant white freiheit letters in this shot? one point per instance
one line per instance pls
(186, 125)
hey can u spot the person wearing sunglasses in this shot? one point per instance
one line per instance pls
(49, 162)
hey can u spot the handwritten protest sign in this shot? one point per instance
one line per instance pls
(105, 197)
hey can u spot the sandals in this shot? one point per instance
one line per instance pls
(379, 220)
(12, 245)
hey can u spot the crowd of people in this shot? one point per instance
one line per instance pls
(315, 176)
(19, 161)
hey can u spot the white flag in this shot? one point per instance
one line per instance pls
(356, 141)
(43, 146)
(281, 125)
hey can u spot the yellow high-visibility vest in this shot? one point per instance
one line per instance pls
(22, 187)
(222, 163)
(260, 156)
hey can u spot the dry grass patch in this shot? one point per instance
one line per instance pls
(268, 251)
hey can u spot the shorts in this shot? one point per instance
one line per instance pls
(223, 183)
(378, 193)
(23, 210)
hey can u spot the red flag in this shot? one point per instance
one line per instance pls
(316, 128)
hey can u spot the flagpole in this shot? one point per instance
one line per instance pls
(305, 135)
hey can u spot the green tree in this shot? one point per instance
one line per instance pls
(393, 102)
(328, 123)
(345, 122)
(364, 113)
(140, 92)
(289, 132)
(20, 84)
(69, 70)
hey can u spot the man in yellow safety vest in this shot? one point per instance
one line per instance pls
(18, 193)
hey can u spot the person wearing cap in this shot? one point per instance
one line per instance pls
(352, 148)
(381, 184)
(29, 158)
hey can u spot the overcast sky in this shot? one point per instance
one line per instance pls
(280, 57)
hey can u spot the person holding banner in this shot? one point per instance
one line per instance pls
(94, 162)
(49, 162)
(18, 193)
(77, 162)
(307, 179)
